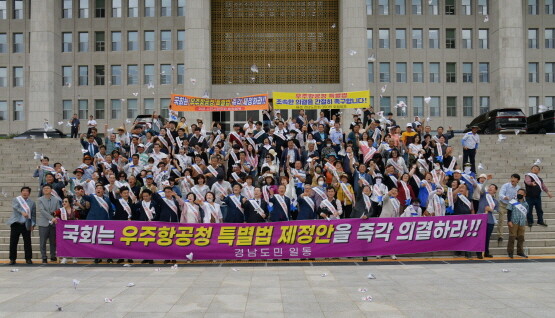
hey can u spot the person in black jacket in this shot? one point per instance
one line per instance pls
(256, 210)
(125, 209)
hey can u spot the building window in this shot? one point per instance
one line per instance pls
(150, 44)
(369, 7)
(401, 38)
(83, 41)
(433, 38)
(132, 41)
(418, 72)
(132, 74)
(99, 109)
(180, 39)
(115, 72)
(150, 10)
(165, 74)
(165, 40)
(400, 7)
(132, 8)
(18, 43)
(99, 41)
(533, 73)
(148, 103)
(400, 110)
(384, 72)
(466, 7)
(384, 38)
(549, 7)
(67, 9)
(166, 8)
(417, 7)
(383, 7)
(449, 7)
(435, 108)
(83, 75)
(3, 110)
(116, 8)
(433, 6)
(18, 9)
(164, 105)
(18, 78)
(83, 108)
(83, 9)
(67, 76)
(484, 72)
(418, 106)
(484, 104)
(467, 72)
(532, 105)
(180, 73)
(67, 42)
(3, 43)
(67, 109)
(483, 42)
(148, 74)
(533, 7)
(116, 41)
(18, 110)
(451, 73)
(549, 38)
(401, 72)
(370, 72)
(3, 77)
(3, 10)
(115, 107)
(100, 9)
(434, 72)
(370, 38)
(181, 8)
(132, 108)
(549, 68)
(99, 75)
(451, 106)
(549, 100)
(468, 106)
(466, 36)
(385, 104)
(483, 7)
(450, 38)
(532, 38)
(416, 38)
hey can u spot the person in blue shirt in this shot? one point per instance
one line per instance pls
(489, 206)
(507, 193)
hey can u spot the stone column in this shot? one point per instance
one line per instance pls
(45, 79)
(198, 56)
(509, 73)
(354, 53)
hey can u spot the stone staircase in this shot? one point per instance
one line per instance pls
(514, 155)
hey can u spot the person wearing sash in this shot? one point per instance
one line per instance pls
(212, 210)
(191, 211)
(168, 205)
(221, 189)
(134, 167)
(57, 187)
(489, 206)
(237, 175)
(405, 191)
(534, 188)
(200, 189)
(427, 186)
(390, 177)
(330, 208)
(281, 205)
(379, 190)
(470, 142)
(363, 204)
(232, 158)
(462, 206)
(234, 203)
(89, 146)
(391, 209)
(79, 204)
(321, 137)
(256, 209)
(517, 211)
(43, 169)
(100, 208)
(436, 203)
(413, 210)
(507, 193)
(361, 175)
(22, 222)
(66, 213)
(306, 202)
(146, 210)
(270, 163)
(46, 221)
(345, 194)
(248, 188)
(213, 171)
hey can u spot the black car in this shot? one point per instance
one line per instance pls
(500, 120)
(542, 123)
(144, 119)
(39, 133)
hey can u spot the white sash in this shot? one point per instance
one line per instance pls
(452, 164)
(238, 137)
(423, 164)
(464, 199)
(148, 210)
(63, 213)
(234, 156)
(237, 203)
(164, 142)
(320, 192)
(330, 206)
(258, 134)
(169, 133)
(24, 205)
(375, 135)
(213, 211)
(256, 206)
(47, 168)
(249, 139)
(330, 167)
(102, 203)
(198, 193)
(200, 140)
(377, 190)
(197, 168)
(171, 204)
(193, 209)
(396, 205)
(519, 206)
(397, 166)
(220, 189)
(393, 179)
(212, 170)
(280, 135)
(416, 179)
(437, 204)
(235, 176)
(428, 186)
(99, 156)
(281, 201)
(309, 201)
(439, 150)
(347, 192)
(249, 191)
(179, 142)
(367, 201)
(536, 179)
(491, 203)
(125, 206)
(266, 193)
(132, 149)
(435, 175)
(216, 139)
(450, 197)
(368, 156)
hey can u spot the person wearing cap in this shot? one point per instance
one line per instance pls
(470, 142)
(122, 137)
(407, 137)
(77, 180)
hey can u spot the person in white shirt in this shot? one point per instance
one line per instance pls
(470, 142)
(91, 124)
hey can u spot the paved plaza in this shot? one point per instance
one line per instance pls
(501, 289)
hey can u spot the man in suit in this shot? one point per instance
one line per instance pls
(281, 206)
(100, 209)
(168, 206)
(290, 154)
(22, 222)
(320, 137)
(46, 220)
(256, 210)
(89, 145)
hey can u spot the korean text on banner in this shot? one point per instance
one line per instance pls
(360, 99)
(186, 103)
(290, 239)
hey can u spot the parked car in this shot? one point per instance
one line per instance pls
(500, 120)
(144, 119)
(541, 123)
(39, 133)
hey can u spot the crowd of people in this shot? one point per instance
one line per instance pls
(280, 169)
